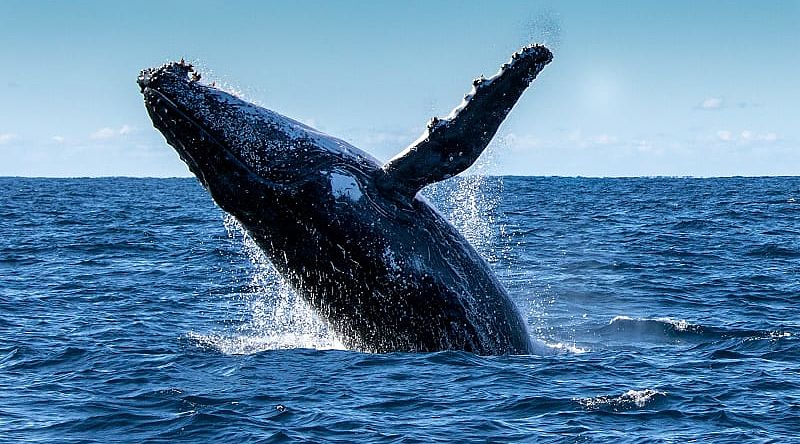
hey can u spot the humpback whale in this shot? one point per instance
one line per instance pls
(351, 235)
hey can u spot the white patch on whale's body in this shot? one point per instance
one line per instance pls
(344, 185)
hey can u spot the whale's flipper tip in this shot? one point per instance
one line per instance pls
(450, 145)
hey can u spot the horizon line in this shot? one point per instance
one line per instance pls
(540, 176)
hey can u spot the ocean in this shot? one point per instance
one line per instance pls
(662, 309)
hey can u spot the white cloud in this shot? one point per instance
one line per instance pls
(525, 142)
(578, 138)
(646, 146)
(103, 133)
(7, 137)
(575, 136)
(108, 133)
(725, 135)
(717, 103)
(602, 139)
(711, 103)
(58, 139)
(746, 136)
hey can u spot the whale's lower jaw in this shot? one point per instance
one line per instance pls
(214, 164)
(193, 143)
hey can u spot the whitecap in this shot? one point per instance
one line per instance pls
(632, 399)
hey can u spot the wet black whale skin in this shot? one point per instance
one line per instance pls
(352, 236)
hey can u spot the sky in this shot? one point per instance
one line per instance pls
(646, 88)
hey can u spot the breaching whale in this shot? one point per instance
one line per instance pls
(351, 235)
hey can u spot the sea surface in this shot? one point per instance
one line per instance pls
(663, 310)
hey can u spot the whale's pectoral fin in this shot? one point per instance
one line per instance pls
(451, 145)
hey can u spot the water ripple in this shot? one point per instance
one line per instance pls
(663, 309)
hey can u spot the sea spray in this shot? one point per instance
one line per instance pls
(274, 317)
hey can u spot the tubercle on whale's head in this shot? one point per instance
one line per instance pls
(172, 72)
(225, 141)
(172, 98)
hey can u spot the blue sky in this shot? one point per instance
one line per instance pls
(635, 88)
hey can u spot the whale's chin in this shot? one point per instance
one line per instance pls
(194, 145)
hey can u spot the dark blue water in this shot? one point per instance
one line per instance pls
(664, 310)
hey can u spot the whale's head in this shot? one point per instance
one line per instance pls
(234, 147)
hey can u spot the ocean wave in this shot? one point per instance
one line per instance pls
(692, 224)
(239, 344)
(770, 251)
(544, 347)
(146, 323)
(243, 344)
(671, 330)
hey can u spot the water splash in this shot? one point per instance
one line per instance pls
(550, 348)
(247, 344)
(469, 202)
(630, 400)
(544, 28)
(275, 317)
